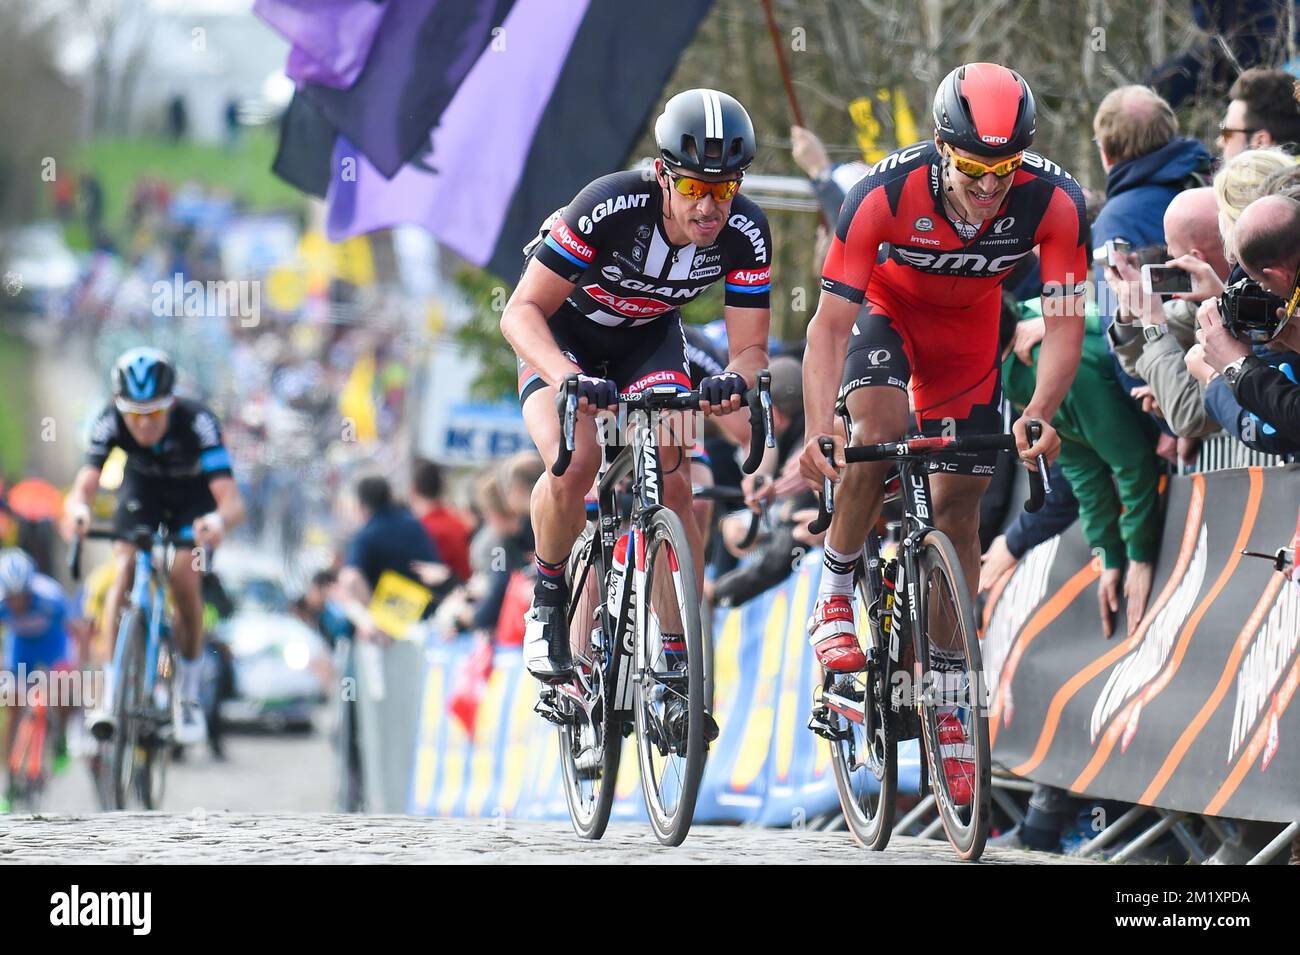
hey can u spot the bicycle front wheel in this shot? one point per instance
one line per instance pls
(669, 679)
(129, 708)
(157, 746)
(591, 740)
(864, 753)
(954, 717)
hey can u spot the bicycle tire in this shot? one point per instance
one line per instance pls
(588, 813)
(157, 746)
(671, 826)
(967, 826)
(127, 708)
(870, 825)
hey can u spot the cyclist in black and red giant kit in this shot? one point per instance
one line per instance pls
(600, 297)
(912, 288)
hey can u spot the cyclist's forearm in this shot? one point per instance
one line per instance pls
(749, 362)
(524, 326)
(84, 486)
(1058, 360)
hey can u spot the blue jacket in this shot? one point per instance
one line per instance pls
(1246, 427)
(1139, 191)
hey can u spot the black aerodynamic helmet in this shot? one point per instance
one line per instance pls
(984, 108)
(705, 131)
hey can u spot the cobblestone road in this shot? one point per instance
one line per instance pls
(228, 837)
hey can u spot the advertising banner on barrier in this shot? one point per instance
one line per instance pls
(1193, 710)
(766, 767)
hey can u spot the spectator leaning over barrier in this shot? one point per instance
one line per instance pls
(1147, 163)
(1262, 111)
(442, 522)
(1267, 244)
(390, 539)
(1241, 181)
(1151, 339)
(1108, 456)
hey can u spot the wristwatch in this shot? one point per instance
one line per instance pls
(1153, 333)
(1233, 370)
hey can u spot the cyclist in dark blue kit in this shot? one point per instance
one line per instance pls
(178, 473)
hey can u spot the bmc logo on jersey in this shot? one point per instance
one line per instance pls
(959, 263)
(750, 276)
(616, 204)
(750, 230)
(562, 234)
(631, 307)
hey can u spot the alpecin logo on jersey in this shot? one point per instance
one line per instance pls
(630, 306)
(563, 235)
(750, 278)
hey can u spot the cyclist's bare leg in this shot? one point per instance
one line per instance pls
(187, 598)
(957, 514)
(702, 476)
(558, 510)
(115, 598)
(878, 414)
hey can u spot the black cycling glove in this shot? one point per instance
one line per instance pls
(716, 389)
(599, 392)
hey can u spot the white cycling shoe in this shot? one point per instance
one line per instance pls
(189, 728)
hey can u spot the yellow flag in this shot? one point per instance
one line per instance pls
(398, 604)
(356, 401)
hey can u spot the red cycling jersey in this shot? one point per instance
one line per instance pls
(895, 213)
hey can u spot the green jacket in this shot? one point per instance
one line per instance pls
(1107, 449)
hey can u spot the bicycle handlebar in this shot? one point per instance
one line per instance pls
(758, 398)
(924, 447)
(141, 537)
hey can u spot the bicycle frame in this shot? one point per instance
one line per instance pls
(640, 460)
(146, 594)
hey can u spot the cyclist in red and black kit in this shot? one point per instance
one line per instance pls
(599, 298)
(911, 288)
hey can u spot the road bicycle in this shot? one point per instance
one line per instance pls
(634, 618)
(133, 764)
(898, 695)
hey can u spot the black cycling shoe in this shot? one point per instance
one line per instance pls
(546, 644)
(677, 721)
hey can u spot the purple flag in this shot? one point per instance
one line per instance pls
(331, 38)
(462, 187)
(421, 55)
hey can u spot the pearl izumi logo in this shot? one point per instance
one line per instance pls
(77, 908)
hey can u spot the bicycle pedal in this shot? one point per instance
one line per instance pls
(546, 709)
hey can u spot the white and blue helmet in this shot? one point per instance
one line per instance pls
(17, 570)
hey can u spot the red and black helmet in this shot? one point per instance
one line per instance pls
(986, 109)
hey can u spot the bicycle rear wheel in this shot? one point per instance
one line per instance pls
(591, 740)
(864, 755)
(128, 709)
(961, 777)
(669, 680)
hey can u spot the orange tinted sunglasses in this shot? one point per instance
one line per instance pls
(699, 188)
(977, 170)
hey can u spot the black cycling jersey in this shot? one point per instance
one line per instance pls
(610, 241)
(190, 447)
